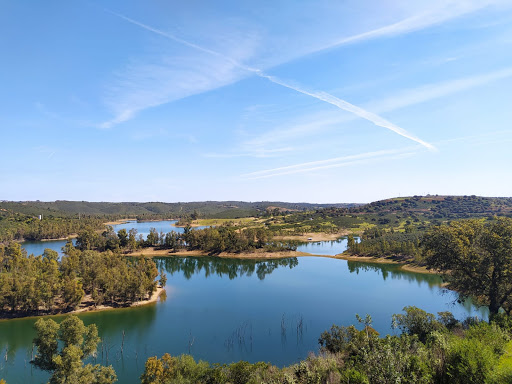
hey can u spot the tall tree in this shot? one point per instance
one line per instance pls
(77, 342)
(476, 259)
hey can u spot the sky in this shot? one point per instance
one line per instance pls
(299, 101)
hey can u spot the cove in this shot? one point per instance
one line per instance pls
(224, 310)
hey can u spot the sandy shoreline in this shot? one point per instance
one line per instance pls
(314, 236)
(383, 260)
(152, 252)
(261, 255)
(119, 221)
(91, 308)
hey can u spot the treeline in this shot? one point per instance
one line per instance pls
(228, 238)
(429, 350)
(45, 284)
(14, 226)
(376, 242)
(213, 240)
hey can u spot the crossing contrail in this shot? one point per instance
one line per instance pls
(319, 95)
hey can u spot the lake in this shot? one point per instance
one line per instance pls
(143, 228)
(224, 310)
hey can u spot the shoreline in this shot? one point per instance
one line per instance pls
(382, 260)
(151, 252)
(91, 308)
(314, 236)
(119, 221)
(75, 235)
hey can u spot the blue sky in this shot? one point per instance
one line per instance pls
(315, 101)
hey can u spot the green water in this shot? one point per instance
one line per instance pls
(211, 302)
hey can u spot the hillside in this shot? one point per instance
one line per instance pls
(221, 209)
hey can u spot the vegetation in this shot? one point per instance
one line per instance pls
(18, 226)
(428, 350)
(45, 284)
(213, 240)
(476, 258)
(61, 349)
(395, 245)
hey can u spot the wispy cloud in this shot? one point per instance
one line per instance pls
(335, 162)
(484, 139)
(441, 12)
(251, 152)
(319, 95)
(346, 106)
(315, 123)
(437, 90)
(141, 86)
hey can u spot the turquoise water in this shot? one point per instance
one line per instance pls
(224, 310)
(211, 301)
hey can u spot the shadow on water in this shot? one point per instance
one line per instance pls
(222, 267)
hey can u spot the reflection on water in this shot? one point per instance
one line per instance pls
(223, 310)
(231, 268)
(330, 248)
(393, 271)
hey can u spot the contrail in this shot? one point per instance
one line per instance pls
(346, 106)
(330, 163)
(319, 95)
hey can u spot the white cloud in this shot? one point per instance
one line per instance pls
(438, 13)
(315, 123)
(156, 82)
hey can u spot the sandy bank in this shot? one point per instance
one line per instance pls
(88, 306)
(261, 254)
(120, 221)
(258, 254)
(382, 260)
(314, 236)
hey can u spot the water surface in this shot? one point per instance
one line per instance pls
(225, 310)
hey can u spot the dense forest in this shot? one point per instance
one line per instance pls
(44, 284)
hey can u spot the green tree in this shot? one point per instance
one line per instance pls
(123, 237)
(476, 258)
(77, 342)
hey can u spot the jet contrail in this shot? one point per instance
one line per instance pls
(346, 106)
(319, 95)
(330, 163)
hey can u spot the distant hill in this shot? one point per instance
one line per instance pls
(441, 207)
(215, 209)
(403, 213)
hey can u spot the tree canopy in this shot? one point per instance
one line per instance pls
(476, 258)
(77, 342)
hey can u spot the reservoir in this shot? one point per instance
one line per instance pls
(225, 310)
